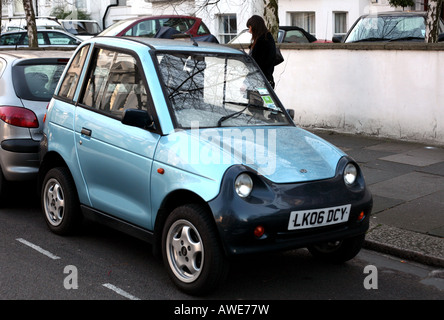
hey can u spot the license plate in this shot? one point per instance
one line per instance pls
(318, 217)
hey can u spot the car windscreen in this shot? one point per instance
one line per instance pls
(209, 90)
(37, 82)
(388, 28)
(115, 28)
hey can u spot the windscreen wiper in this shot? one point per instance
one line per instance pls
(246, 105)
(407, 38)
(371, 39)
(231, 115)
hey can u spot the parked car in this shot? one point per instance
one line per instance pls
(189, 148)
(27, 83)
(389, 26)
(82, 29)
(45, 38)
(150, 27)
(287, 34)
(20, 23)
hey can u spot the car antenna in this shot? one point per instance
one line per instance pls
(194, 41)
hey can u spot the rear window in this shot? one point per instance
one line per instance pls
(37, 81)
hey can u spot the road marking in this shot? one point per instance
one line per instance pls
(120, 291)
(39, 249)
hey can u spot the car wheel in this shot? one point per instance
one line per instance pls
(191, 250)
(338, 251)
(60, 204)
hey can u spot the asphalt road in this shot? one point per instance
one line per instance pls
(102, 264)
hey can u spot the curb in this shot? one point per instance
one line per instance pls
(404, 253)
(405, 244)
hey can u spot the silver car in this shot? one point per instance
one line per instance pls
(45, 38)
(27, 82)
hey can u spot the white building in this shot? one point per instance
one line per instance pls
(322, 18)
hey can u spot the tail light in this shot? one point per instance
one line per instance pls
(18, 116)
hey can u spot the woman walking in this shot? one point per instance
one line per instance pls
(262, 47)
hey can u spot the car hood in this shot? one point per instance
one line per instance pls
(281, 154)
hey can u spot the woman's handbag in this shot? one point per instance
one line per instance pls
(279, 57)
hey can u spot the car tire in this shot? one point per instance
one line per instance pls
(338, 251)
(192, 252)
(60, 203)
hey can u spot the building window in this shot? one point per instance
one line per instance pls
(304, 20)
(81, 5)
(227, 27)
(340, 20)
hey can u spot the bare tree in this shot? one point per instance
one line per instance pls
(432, 25)
(268, 8)
(31, 24)
(402, 3)
(271, 16)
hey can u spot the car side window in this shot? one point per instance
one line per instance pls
(203, 29)
(115, 83)
(40, 39)
(10, 39)
(175, 23)
(69, 84)
(145, 28)
(56, 38)
(295, 36)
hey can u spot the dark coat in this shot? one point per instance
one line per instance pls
(264, 53)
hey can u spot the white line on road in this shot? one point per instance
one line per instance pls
(120, 291)
(39, 249)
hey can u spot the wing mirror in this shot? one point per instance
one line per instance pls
(138, 118)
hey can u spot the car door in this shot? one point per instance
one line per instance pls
(115, 159)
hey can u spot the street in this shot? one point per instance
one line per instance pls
(101, 264)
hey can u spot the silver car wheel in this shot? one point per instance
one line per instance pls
(54, 202)
(185, 251)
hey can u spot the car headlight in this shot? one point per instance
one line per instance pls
(350, 174)
(243, 185)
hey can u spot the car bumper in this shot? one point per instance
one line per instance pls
(19, 159)
(270, 206)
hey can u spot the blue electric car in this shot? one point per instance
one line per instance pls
(187, 146)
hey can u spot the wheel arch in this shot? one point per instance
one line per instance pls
(51, 160)
(173, 200)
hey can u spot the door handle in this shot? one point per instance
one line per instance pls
(86, 132)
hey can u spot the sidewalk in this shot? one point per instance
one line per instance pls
(407, 183)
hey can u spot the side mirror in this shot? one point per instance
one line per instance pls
(337, 39)
(138, 118)
(291, 113)
(441, 37)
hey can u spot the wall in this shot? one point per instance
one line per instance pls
(394, 91)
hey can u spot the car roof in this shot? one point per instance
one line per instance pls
(165, 44)
(290, 28)
(396, 13)
(40, 31)
(160, 17)
(35, 54)
(77, 20)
